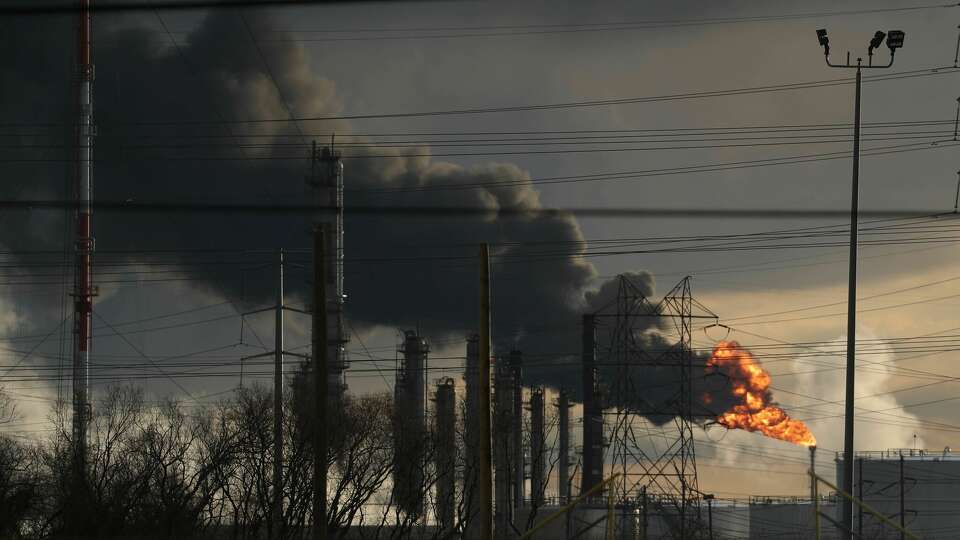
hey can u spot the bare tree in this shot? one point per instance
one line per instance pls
(18, 476)
(360, 458)
(152, 472)
(164, 470)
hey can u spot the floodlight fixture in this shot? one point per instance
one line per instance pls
(824, 40)
(894, 40)
(876, 41)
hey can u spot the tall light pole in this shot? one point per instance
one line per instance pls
(894, 42)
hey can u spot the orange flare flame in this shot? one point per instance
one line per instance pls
(751, 384)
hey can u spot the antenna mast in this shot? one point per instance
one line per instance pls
(84, 290)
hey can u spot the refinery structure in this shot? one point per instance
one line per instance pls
(591, 475)
(571, 462)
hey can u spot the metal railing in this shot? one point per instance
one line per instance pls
(913, 454)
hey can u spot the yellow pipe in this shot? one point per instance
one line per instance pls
(549, 519)
(864, 505)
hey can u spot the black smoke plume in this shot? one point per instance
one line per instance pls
(401, 271)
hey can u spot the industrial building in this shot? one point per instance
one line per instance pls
(915, 488)
(789, 518)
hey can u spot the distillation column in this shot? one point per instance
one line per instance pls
(592, 411)
(446, 452)
(326, 177)
(563, 463)
(516, 428)
(471, 420)
(410, 426)
(501, 433)
(537, 447)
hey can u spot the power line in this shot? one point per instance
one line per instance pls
(930, 142)
(625, 132)
(752, 90)
(145, 357)
(666, 171)
(33, 350)
(269, 72)
(451, 211)
(831, 304)
(771, 138)
(547, 29)
(620, 23)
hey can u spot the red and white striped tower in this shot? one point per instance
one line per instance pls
(83, 273)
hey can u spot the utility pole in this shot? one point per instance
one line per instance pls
(483, 399)
(83, 291)
(894, 42)
(320, 386)
(278, 405)
(278, 309)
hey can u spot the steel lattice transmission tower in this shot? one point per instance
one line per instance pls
(651, 438)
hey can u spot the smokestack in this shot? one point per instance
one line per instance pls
(409, 405)
(563, 466)
(592, 411)
(446, 453)
(414, 351)
(813, 469)
(537, 447)
(326, 177)
(516, 427)
(471, 419)
(814, 495)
